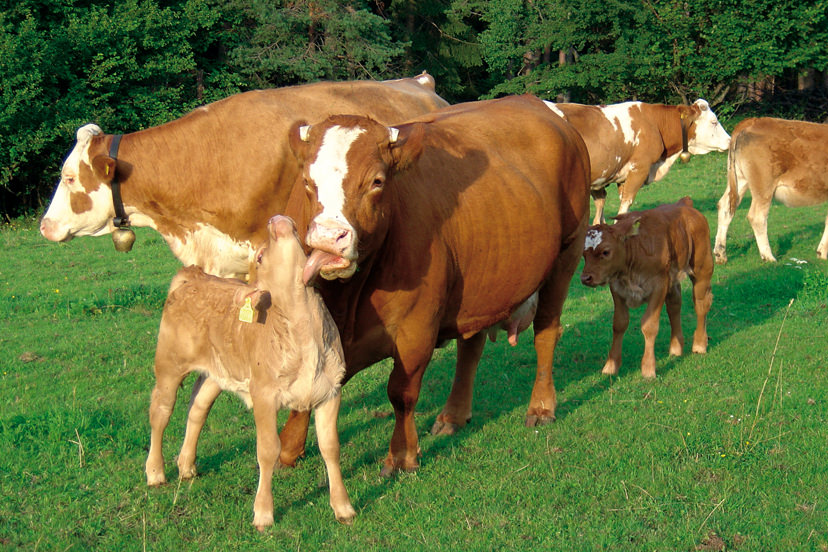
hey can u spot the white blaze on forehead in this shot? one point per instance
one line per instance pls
(709, 135)
(329, 169)
(593, 239)
(619, 116)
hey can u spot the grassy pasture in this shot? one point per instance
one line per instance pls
(726, 451)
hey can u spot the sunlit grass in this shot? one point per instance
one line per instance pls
(722, 451)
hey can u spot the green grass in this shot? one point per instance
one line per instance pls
(723, 451)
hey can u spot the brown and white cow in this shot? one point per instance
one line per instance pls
(643, 257)
(414, 229)
(774, 158)
(209, 181)
(285, 354)
(635, 143)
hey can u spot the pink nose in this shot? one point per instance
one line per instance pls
(332, 237)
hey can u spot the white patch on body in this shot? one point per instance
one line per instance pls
(329, 169)
(555, 110)
(619, 116)
(214, 251)
(593, 239)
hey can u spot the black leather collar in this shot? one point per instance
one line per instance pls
(121, 220)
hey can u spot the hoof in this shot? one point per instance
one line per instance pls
(533, 420)
(187, 472)
(388, 469)
(444, 428)
(262, 522)
(346, 518)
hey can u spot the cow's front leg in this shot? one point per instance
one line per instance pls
(403, 391)
(457, 411)
(599, 198)
(293, 437)
(205, 392)
(629, 189)
(268, 447)
(620, 323)
(649, 327)
(822, 248)
(673, 301)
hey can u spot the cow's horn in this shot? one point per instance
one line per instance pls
(304, 133)
(393, 134)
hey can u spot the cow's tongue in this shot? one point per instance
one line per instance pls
(316, 261)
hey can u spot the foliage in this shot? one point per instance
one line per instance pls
(723, 451)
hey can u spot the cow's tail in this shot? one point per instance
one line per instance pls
(732, 176)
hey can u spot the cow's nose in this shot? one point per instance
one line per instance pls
(586, 279)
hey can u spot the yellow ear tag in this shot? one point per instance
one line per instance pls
(107, 170)
(246, 312)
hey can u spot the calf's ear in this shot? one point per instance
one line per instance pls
(405, 143)
(103, 167)
(627, 226)
(298, 138)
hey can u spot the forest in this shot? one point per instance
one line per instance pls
(134, 64)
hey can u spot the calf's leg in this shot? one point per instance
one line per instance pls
(457, 411)
(167, 380)
(620, 323)
(268, 447)
(649, 327)
(328, 437)
(702, 300)
(673, 301)
(205, 392)
(822, 248)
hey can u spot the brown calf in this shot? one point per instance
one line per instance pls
(288, 355)
(643, 258)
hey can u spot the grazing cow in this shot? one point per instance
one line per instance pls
(775, 158)
(209, 180)
(635, 143)
(286, 353)
(413, 227)
(643, 257)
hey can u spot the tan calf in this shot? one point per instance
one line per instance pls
(288, 356)
(643, 258)
(775, 158)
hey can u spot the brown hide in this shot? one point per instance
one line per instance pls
(643, 258)
(228, 166)
(773, 158)
(492, 206)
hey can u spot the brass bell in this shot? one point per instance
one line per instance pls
(123, 238)
(685, 156)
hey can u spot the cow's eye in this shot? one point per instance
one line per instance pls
(259, 257)
(378, 183)
(69, 180)
(605, 253)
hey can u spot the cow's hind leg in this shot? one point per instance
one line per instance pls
(328, 437)
(758, 218)
(548, 330)
(205, 392)
(457, 411)
(599, 198)
(673, 301)
(822, 248)
(167, 380)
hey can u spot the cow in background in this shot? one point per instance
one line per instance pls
(273, 344)
(412, 229)
(635, 143)
(774, 158)
(643, 257)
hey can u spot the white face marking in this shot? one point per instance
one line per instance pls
(710, 136)
(619, 116)
(555, 109)
(593, 239)
(214, 251)
(329, 169)
(60, 222)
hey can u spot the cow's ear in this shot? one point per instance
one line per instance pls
(406, 144)
(298, 138)
(103, 167)
(627, 226)
(689, 112)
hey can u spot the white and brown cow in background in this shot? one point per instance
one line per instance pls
(774, 158)
(285, 353)
(635, 143)
(209, 181)
(643, 257)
